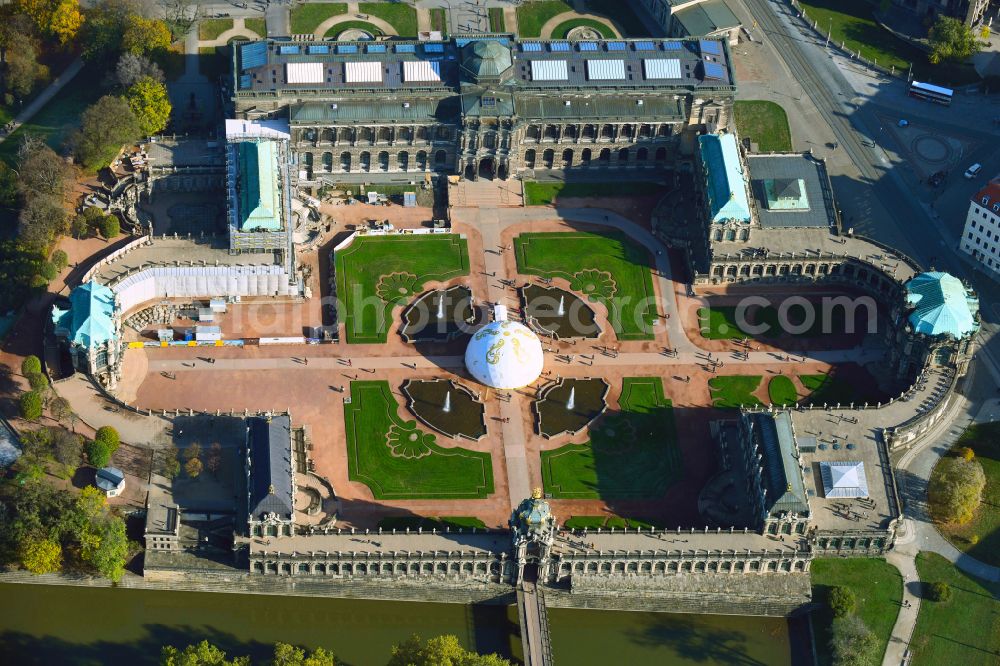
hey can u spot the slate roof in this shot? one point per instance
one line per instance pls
(821, 212)
(782, 477)
(942, 305)
(727, 195)
(109, 478)
(270, 451)
(90, 318)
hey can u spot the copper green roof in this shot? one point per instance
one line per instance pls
(487, 58)
(90, 318)
(727, 195)
(259, 203)
(942, 305)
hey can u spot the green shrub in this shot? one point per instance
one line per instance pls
(98, 453)
(79, 228)
(109, 436)
(110, 227)
(939, 592)
(842, 601)
(60, 260)
(39, 382)
(31, 365)
(48, 271)
(31, 406)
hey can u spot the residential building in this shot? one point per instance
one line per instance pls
(981, 236)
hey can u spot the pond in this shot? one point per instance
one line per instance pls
(569, 405)
(446, 406)
(560, 312)
(438, 315)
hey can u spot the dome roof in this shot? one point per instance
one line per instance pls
(504, 355)
(487, 58)
(942, 305)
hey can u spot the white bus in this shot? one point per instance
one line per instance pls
(931, 93)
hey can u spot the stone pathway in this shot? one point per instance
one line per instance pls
(43, 98)
(354, 14)
(558, 19)
(239, 29)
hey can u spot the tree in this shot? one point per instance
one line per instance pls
(60, 408)
(290, 655)
(180, 15)
(956, 489)
(41, 556)
(66, 20)
(66, 448)
(192, 451)
(202, 654)
(109, 436)
(171, 466)
(132, 67)
(91, 503)
(39, 383)
(939, 592)
(842, 601)
(79, 227)
(149, 102)
(110, 227)
(23, 70)
(8, 186)
(107, 550)
(106, 126)
(951, 39)
(852, 643)
(40, 170)
(59, 259)
(31, 365)
(440, 650)
(30, 404)
(193, 467)
(966, 453)
(105, 25)
(214, 460)
(98, 453)
(145, 36)
(40, 219)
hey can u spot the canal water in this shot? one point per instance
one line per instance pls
(42, 624)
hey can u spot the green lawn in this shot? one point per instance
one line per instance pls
(258, 25)
(853, 23)
(531, 16)
(57, 119)
(212, 28)
(377, 272)
(593, 522)
(497, 21)
(877, 586)
(827, 389)
(606, 267)
(420, 522)
(964, 630)
(544, 194)
(632, 454)
(439, 20)
(721, 323)
(732, 391)
(401, 17)
(306, 18)
(563, 28)
(764, 123)
(398, 460)
(984, 439)
(781, 391)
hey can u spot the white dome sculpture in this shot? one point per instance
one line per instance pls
(504, 355)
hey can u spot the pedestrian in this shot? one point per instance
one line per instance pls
(306, 361)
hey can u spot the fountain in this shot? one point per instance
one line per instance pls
(448, 408)
(571, 403)
(562, 306)
(447, 403)
(440, 312)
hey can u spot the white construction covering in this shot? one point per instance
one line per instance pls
(844, 479)
(421, 70)
(504, 355)
(549, 70)
(363, 72)
(662, 68)
(201, 282)
(606, 70)
(304, 72)
(257, 129)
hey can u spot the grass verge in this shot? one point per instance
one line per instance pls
(877, 586)
(531, 16)
(765, 123)
(781, 391)
(545, 194)
(376, 273)
(607, 268)
(723, 323)
(257, 25)
(397, 460)
(306, 18)
(212, 28)
(401, 17)
(732, 391)
(497, 22)
(632, 454)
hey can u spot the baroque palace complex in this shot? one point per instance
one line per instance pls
(308, 116)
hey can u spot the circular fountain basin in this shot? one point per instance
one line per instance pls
(446, 406)
(559, 312)
(570, 405)
(440, 315)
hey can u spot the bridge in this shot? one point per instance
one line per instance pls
(531, 614)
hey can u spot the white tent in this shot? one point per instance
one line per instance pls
(505, 355)
(844, 479)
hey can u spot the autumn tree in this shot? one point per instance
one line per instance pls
(66, 449)
(41, 172)
(214, 460)
(106, 126)
(60, 19)
(170, 465)
(950, 39)
(23, 71)
(40, 220)
(955, 489)
(132, 67)
(109, 436)
(291, 655)
(193, 467)
(102, 32)
(149, 102)
(107, 548)
(179, 15)
(440, 650)
(41, 555)
(144, 36)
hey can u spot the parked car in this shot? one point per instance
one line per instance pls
(973, 171)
